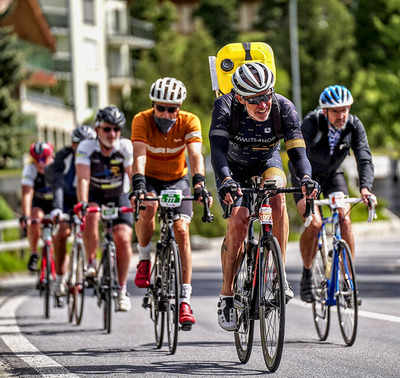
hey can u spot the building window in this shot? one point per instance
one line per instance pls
(93, 96)
(88, 12)
(90, 54)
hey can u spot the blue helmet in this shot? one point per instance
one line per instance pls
(335, 96)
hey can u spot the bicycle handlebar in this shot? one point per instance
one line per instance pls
(207, 216)
(326, 202)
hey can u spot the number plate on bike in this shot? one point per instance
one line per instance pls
(337, 200)
(265, 214)
(171, 198)
(108, 213)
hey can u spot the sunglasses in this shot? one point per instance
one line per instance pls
(108, 129)
(257, 100)
(41, 160)
(162, 109)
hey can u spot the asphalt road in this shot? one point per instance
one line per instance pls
(31, 345)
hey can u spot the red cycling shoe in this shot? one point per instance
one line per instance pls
(186, 318)
(142, 278)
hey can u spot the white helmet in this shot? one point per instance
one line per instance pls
(168, 90)
(252, 78)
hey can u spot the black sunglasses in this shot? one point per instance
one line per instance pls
(162, 109)
(257, 100)
(108, 129)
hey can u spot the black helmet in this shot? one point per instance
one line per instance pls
(83, 132)
(110, 114)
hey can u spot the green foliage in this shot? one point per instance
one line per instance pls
(10, 262)
(222, 27)
(5, 211)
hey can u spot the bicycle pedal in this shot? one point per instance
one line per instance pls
(359, 301)
(186, 327)
(145, 302)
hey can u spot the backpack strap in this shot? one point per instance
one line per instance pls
(318, 136)
(276, 116)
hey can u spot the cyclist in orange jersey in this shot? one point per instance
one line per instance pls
(160, 136)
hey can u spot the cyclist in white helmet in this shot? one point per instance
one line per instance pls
(246, 127)
(329, 134)
(160, 136)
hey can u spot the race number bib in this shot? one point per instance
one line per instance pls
(336, 200)
(171, 198)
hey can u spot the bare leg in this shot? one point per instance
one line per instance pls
(123, 244)
(181, 229)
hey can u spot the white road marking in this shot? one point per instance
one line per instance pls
(364, 314)
(20, 345)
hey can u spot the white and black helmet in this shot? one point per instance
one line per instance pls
(112, 115)
(83, 132)
(168, 90)
(252, 78)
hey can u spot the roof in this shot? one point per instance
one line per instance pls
(28, 21)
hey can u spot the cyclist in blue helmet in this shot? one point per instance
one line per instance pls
(330, 133)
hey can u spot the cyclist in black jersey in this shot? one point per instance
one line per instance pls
(329, 134)
(104, 171)
(37, 196)
(252, 150)
(62, 179)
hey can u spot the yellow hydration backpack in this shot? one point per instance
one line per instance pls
(232, 56)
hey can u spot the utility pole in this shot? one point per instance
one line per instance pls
(294, 56)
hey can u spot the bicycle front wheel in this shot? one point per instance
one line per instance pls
(157, 313)
(243, 288)
(321, 312)
(172, 274)
(272, 304)
(106, 287)
(47, 279)
(80, 285)
(347, 296)
(71, 284)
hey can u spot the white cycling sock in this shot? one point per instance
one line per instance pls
(144, 252)
(186, 293)
(59, 278)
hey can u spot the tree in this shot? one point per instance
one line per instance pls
(220, 18)
(326, 45)
(13, 130)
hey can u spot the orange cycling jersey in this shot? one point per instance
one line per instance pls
(165, 156)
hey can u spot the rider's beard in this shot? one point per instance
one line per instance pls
(107, 143)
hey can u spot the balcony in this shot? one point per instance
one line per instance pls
(120, 75)
(139, 35)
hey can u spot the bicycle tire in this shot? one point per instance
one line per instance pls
(47, 275)
(172, 284)
(156, 313)
(321, 312)
(71, 284)
(107, 284)
(347, 296)
(272, 304)
(243, 288)
(80, 285)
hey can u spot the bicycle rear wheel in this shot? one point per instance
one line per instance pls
(321, 312)
(272, 304)
(243, 288)
(347, 296)
(71, 284)
(157, 313)
(172, 273)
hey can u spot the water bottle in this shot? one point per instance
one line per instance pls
(328, 268)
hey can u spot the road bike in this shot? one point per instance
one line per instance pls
(259, 284)
(334, 275)
(76, 282)
(162, 297)
(106, 286)
(47, 271)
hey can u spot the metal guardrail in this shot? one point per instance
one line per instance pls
(13, 245)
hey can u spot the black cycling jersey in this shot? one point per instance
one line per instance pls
(353, 136)
(255, 142)
(63, 179)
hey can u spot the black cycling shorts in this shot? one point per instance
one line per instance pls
(186, 209)
(243, 173)
(46, 206)
(122, 200)
(333, 183)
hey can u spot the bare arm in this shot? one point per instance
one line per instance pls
(196, 160)
(83, 175)
(26, 202)
(139, 158)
